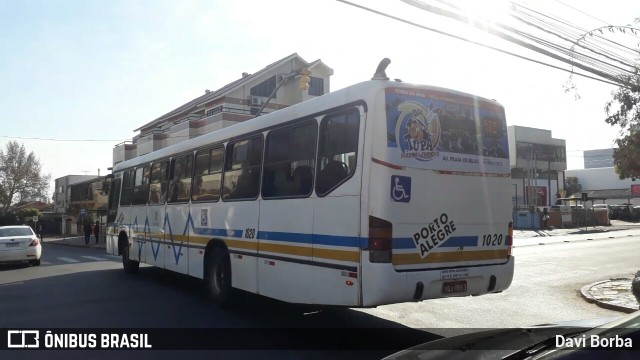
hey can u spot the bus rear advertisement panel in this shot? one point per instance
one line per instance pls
(446, 131)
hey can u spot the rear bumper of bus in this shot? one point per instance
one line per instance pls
(383, 285)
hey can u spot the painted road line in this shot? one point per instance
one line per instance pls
(94, 258)
(45, 263)
(69, 260)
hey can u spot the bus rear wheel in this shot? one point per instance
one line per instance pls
(217, 276)
(130, 266)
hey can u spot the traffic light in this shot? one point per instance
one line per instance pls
(304, 78)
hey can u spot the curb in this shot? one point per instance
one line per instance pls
(62, 243)
(550, 237)
(584, 291)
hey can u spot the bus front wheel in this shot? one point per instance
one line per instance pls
(217, 276)
(130, 266)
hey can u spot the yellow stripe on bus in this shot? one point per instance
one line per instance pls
(449, 257)
(330, 254)
(241, 244)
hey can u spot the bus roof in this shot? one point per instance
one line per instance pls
(360, 91)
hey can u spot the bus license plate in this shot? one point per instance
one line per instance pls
(454, 286)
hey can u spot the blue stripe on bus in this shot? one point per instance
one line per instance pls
(218, 232)
(456, 241)
(302, 238)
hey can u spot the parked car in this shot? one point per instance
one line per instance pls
(620, 212)
(19, 244)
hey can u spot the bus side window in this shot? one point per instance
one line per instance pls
(140, 188)
(338, 145)
(180, 186)
(289, 161)
(127, 188)
(157, 185)
(242, 169)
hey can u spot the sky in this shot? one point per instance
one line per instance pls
(78, 76)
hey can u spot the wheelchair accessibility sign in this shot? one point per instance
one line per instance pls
(400, 188)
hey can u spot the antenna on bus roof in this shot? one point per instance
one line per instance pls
(380, 71)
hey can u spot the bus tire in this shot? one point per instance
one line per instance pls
(217, 275)
(130, 266)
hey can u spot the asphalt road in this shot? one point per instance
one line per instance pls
(79, 287)
(545, 289)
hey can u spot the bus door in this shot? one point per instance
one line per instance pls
(336, 227)
(177, 221)
(156, 214)
(286, 213)
(240, 209)
(113, 187)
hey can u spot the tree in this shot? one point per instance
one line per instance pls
(28, 212)
(20, 175)
(572, 186)
(624, 110)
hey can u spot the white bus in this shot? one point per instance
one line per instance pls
(379, 193)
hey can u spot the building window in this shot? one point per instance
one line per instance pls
(265, 88)
(316, 86)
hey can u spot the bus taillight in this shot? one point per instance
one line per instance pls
(380, 236)
(509, 239)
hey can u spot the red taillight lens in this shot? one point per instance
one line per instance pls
(380, 240)
(34, 242)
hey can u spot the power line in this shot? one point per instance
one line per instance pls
(477, 43)
(620, 81)
(582, 12)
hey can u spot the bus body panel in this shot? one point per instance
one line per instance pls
(177, 226)
(285, 237)
(154, 246)
(443, 184)
(138, 216)
(204, 217)
(237, 221)
(337, 244)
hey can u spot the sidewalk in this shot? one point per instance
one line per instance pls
(76, 241)
(548, 236)
(614, 294)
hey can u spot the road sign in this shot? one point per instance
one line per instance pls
(82, 211)
(35, 219)
(584, 196)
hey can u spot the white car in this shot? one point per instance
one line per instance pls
(19, 243)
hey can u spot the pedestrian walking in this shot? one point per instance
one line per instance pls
(545, 218)
(87, 232)
(96, 230)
